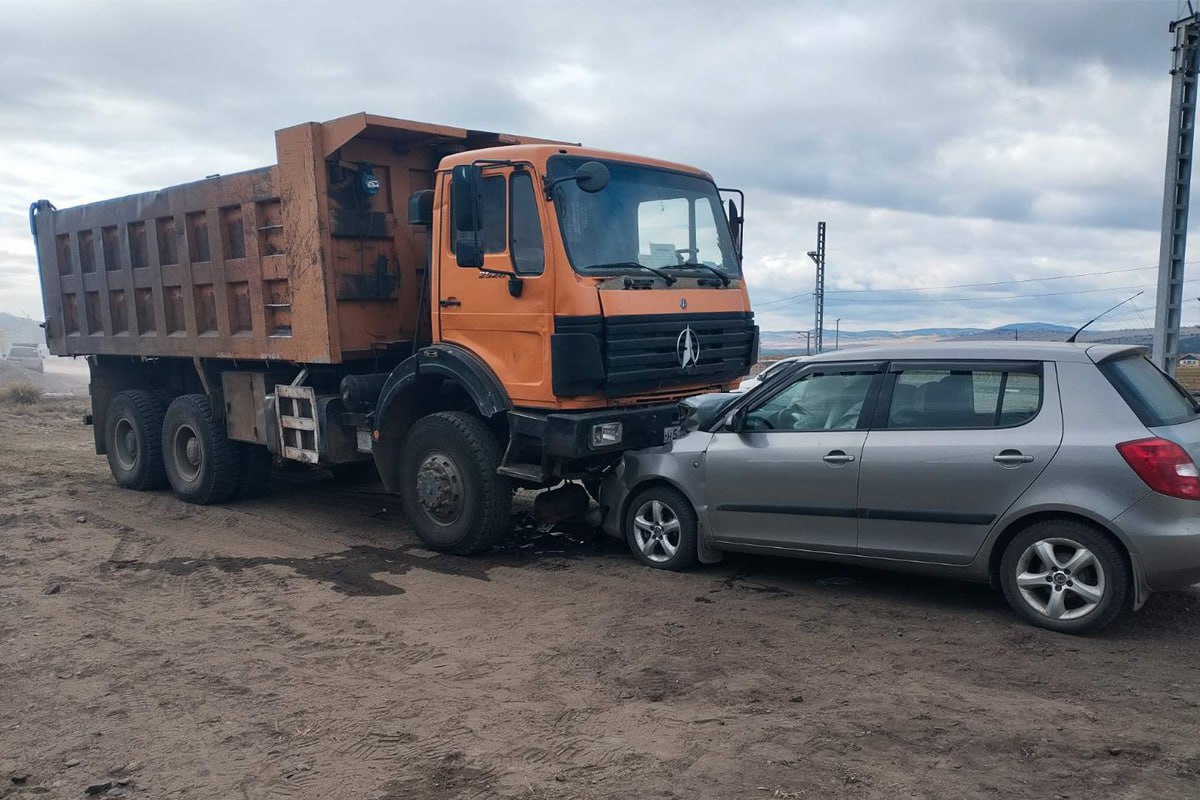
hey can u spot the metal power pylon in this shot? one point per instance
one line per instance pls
(818, 257)
(1181, 130)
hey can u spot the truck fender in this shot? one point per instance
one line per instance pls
(406, 396)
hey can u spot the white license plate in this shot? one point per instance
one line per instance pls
(672, 433)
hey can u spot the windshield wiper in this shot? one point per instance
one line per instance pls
(670, 279)
(697, 265)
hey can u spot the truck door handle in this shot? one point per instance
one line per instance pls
(1011, 458)
(450, 302)
(837, 457)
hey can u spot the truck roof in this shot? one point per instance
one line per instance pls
(540, 153)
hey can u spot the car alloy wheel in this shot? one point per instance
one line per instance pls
(657, 531)
(1060, 579)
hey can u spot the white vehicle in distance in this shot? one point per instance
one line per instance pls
(771, 369)
(27, 356)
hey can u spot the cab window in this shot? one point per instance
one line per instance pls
(528, 250)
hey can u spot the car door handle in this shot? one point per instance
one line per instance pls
(837, 457)
(1011, 458)
(450, 302)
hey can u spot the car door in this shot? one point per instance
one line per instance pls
(786, 474)
(952, 446)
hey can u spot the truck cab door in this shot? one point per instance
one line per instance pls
(505, 321)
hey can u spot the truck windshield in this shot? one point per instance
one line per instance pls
(649, 216)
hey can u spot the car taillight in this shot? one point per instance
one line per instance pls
(1164, 466)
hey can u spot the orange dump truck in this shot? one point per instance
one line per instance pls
(463, 312)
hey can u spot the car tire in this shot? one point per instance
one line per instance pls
(255, 465)
(202, 465)
(452, 494)
(133, 440)
(1066, 576)
(660, 528)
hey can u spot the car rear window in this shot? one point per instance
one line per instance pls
(23, 352)
(1155, 398)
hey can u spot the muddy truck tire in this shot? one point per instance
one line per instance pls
(133, 440)
(202, 464)
(452, 494)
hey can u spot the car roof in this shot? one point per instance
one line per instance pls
(1007, 351)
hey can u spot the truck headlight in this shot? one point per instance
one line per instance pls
(606, 434)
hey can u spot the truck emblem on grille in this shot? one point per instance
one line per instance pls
(687, 346)
(683, 302)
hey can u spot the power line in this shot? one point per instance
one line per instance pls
(806, 295)
(990, 298)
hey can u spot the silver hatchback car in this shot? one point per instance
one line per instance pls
(1064, 474)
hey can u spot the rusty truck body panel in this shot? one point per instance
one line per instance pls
(272, 264)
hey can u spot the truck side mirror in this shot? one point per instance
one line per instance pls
(468, 249)
(420, 208)
(464, 197)
(464, 208)
(736, 216)
(735, 226)
(592, 177)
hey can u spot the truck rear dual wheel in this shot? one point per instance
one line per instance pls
(202, 465)
(452, 494)
(133, 439)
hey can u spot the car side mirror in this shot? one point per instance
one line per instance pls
(736, 421)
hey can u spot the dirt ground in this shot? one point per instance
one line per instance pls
(304, 645)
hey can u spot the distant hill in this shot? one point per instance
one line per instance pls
(793, 342)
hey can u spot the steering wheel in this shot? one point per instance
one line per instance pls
(787, 419)
(757, 424)
(693, 251)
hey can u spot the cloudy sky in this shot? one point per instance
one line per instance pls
(1016, 144)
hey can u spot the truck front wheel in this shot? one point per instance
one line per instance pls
(452, 494)
(133, 440)
(202, 464)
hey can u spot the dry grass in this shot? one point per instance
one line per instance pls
(20, 393)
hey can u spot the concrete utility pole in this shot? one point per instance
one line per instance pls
(837, 332)
(1181, 129)
(818, 257)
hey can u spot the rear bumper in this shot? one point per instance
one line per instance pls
(1164, 533)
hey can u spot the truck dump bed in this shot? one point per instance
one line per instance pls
(310, 260)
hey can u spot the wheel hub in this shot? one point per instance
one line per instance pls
(192, 450)
(1060, 578)
(439, 488)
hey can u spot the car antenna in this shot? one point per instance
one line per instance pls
(1071, 338)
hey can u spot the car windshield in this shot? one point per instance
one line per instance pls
(644, 216)
(1154, 397)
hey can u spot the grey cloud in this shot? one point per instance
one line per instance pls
(943, 110)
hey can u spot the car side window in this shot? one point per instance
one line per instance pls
(944, 398)
(814, 402)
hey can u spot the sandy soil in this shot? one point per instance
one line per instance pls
(304, 645)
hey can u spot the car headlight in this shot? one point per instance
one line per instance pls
(606, 434)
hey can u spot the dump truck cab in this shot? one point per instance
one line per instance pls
(597, 288)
